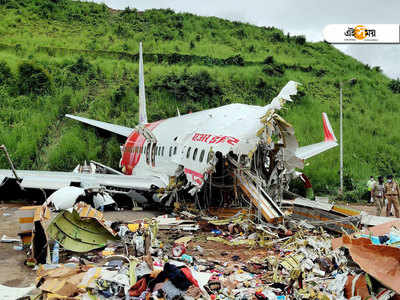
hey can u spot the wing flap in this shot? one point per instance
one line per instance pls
(117, 129)
(45, 183)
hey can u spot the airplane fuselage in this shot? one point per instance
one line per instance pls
(188, 140)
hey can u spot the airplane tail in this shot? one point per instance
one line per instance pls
(142, 94)
(328, 143)
(328, 131)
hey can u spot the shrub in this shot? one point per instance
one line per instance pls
(241, 34)
(81, 66)
(394, 85)
(5, 73)
(235, 60)
(269, 60)
(377, 69)
(274, 70)
(196, 87)
(277, 37)
(32, 79)
(300, 39)
(119, 93)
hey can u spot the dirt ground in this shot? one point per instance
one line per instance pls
(14, 273)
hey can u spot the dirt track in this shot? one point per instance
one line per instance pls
(14, 273)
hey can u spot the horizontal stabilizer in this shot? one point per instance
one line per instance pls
(328, 143)
(117, 129)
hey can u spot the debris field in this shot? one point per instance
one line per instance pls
(191, 254)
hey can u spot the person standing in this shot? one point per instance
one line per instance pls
(391, 193)
(377, 193)
(370, 184)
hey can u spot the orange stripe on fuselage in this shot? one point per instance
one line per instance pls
(130, 158)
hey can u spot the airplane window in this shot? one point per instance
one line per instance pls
(162, 151)
(188, 152)
(175, 150)
(159, 151)
(153, 154)
(170, 151)
(195, 154)
(201, 155)
(148, 153)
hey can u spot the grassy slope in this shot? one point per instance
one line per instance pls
(104, 85)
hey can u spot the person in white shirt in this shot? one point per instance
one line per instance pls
(370, 184)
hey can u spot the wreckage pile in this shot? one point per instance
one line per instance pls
(80, 255)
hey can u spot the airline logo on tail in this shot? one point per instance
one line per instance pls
(328, 131)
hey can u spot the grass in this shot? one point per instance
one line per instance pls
(87, 52)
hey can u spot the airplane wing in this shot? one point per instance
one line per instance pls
(118, 129)
(56, 180)
(314, 149)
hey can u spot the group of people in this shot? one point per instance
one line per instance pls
(381, 191)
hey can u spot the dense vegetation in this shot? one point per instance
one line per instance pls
(66, 56)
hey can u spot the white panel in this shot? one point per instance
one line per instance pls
(313, 204)
(45, 183)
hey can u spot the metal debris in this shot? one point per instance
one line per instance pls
(226, 258)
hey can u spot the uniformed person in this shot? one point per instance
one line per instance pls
(391, 193)
(377, 194)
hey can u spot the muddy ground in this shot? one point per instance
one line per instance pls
(14, 273)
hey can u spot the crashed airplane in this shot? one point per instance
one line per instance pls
(224, 156)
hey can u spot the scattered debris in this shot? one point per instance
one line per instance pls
(232, 257)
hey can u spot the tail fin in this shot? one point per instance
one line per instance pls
(328, 131)
(314, 149)
(142, 94)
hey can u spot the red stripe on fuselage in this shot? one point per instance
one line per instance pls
(130, 157)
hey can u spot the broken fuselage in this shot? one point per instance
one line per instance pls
(240, 136)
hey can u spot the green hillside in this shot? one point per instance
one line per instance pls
(64, 56)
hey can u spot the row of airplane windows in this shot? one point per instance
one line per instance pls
(159, 151)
